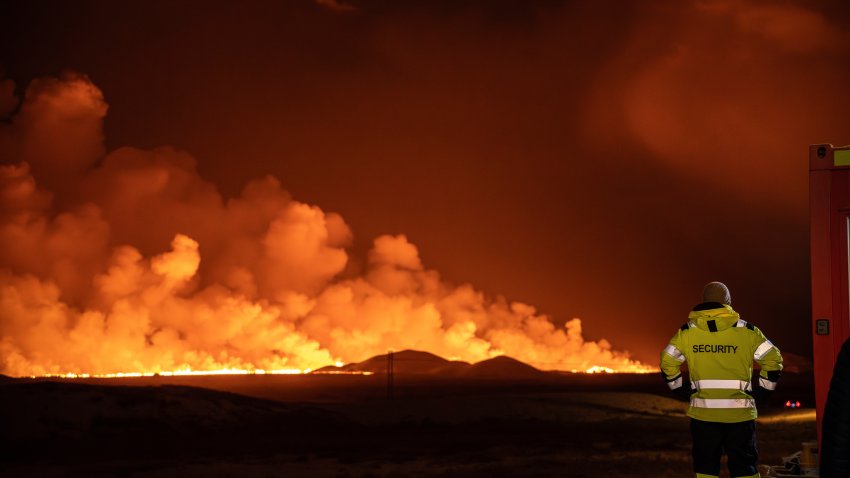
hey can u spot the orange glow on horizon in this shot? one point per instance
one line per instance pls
(596, 369)
(175, 373)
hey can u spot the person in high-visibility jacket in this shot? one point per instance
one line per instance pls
(719, 349)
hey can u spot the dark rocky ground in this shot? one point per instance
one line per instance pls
(345, 426)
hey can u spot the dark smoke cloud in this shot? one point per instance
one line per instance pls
(336, 5)
(601, 159)
(726, 89)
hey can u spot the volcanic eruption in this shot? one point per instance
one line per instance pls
(129, 261)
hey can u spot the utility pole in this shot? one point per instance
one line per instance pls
(390, 375)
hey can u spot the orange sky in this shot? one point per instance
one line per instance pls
(600, 160)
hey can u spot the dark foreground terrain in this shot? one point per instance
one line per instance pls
(346, 426)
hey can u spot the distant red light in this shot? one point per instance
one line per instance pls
(788, 403)
(798, 404)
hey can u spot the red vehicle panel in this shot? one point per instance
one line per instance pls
(829, 204)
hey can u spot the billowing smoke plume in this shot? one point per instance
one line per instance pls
(731, 104)
(130, 261)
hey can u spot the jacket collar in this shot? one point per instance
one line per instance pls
(713, 317)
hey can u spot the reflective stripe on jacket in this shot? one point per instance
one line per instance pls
(719, 349)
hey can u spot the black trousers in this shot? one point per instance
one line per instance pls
(738, 440)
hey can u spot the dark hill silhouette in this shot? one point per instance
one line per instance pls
(413, 362)
(416, 362)
(503, 367)
(406, 362)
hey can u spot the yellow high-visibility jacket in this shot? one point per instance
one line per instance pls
(719, 349)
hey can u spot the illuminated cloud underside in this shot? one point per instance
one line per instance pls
(131, 262)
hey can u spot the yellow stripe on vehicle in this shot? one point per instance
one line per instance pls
(842, 157)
